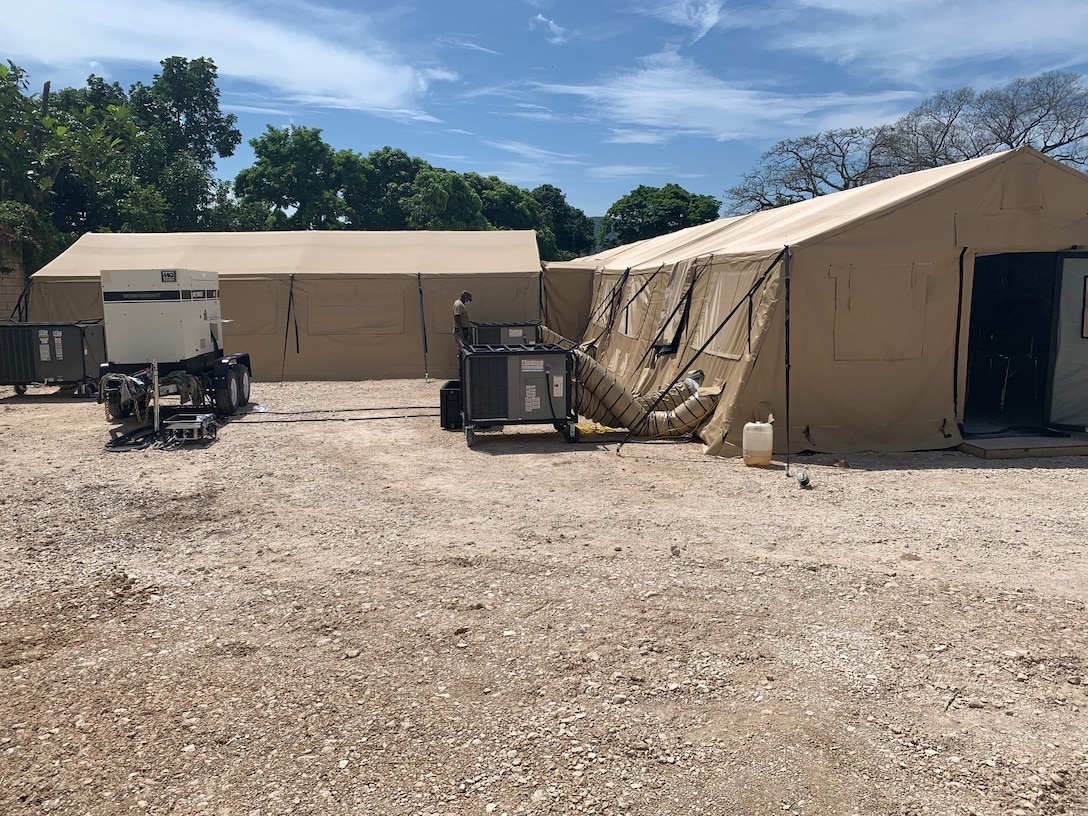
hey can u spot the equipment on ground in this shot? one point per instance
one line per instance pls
(62, 354)
(164, 333)
(190, 428)
(449, 405)
(516, 384)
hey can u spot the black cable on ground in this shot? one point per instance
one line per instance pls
(339, 410)
(240, 421)
(136, 439)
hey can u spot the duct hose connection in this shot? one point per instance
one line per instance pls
(676, 411)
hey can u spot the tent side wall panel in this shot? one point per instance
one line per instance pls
(349, 327)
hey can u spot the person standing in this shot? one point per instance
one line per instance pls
(461, 320)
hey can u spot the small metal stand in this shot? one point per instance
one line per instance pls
(191, 428)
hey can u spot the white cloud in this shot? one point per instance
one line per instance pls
(615, 171)
(467, 44)
(528, 151)
(671, 95)
(556, 34)
(626, 136)
(346, 66)
(699, 16)
(921, 41)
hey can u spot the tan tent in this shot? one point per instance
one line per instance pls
(917, 308)
(321, 305)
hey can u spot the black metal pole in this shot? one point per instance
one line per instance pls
(287, 325)
(786, 277)
(423, 325)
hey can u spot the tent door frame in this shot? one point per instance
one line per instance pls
(1069, 341)
(1011, 335)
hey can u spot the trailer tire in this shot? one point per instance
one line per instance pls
(226, 399)
(243, 385)
(20, 390)
(114, 408)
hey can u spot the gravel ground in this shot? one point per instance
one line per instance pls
(351, 612)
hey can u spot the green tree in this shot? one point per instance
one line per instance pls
(647, 212)
(384, 202)
(187, 131)
(565, 232)
(42, 150)
(504, 205)
(295, 178)
(182, 104)
(443, 200)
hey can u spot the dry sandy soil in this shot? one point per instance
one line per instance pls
(352, 612)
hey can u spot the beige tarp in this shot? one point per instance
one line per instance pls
(321, 305)
(876, 300)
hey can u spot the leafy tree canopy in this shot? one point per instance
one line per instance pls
(647, 212)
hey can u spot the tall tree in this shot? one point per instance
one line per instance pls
(504, 205)
(295, 178)
(1048, 112)
(443, 200)
(572, 233)
(187, 132)
(394, 175)
(797, 169)
(647, 212)
(182, 104)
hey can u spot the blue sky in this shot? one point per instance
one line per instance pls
(593, 97)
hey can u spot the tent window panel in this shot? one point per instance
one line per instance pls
(602, 302)
(355, 307)
(636, 301)
(253, 307)
(731, 343)
(673, 312)
(880, 311)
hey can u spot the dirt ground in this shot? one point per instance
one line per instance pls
(352, 612)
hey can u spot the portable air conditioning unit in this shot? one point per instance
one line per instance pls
(51, 353)
(506, 334)
(517, 384)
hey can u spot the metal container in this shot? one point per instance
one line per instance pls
(51, 353)
(506, 334)
(450, 405)
(517, 384)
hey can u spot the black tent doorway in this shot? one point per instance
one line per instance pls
(1009, 342)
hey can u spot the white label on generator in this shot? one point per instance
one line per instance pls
(516, 333)
(57, 344)
(528, 366)
(557, 386)
(43, 345)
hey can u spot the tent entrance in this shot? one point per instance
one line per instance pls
(1010, 342)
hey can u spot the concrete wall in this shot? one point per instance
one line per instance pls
(12, 277)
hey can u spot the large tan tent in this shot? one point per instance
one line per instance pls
(321, 305)
(895, 316)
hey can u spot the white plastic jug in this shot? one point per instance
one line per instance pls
(757, 443)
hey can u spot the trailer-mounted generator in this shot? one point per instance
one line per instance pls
(164, 337)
